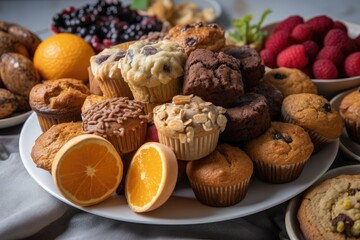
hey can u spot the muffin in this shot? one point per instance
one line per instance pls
(48, 143)
(290, 81)
(8, 103)
(350, 112)
(193, 36)
(331, 210)
(222, 178)
(94, 85)
(153, 71)
(153, 36)
(119, 120)
(58, 101)
(248, 119)
(315, 114)
(215, 77)
(252, 69)
(89, 101)
(280, 154)
(189, 126)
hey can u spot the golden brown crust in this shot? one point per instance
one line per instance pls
(90, 101)
(350, 106)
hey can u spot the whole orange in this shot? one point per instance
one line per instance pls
(63, 55)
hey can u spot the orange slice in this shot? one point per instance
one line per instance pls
(151, 177)
(87, 170)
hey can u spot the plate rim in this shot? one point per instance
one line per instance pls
(14, 120)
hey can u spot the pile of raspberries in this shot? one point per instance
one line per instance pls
(320, 47)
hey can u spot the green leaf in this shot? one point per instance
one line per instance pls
(139, 4)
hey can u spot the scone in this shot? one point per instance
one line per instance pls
(189, 126)
(209, 36)
(331, 209)
(280, 153)
(290, 81)
(215, 77)
(222, 178)
(58, 101)
(48, 143)
(8, 103)
(349, 110)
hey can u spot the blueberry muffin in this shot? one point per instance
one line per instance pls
(8, 103)
(215, 77)
(280, 153)
(350, 112)
(222, 178)
(248, 119)
(331, 209)
(189, 126)
(290, 81)
(209, 36)
(252, 69)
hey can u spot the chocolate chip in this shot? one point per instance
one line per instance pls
(101, 59)
(327, 107)
(186, 27)
(166, 68)
(130, 56)
(200, 24)
(348, 221)
(279, 136)
(148, 50)
(191, 41)
(119, 55)
(213, 25)
(280, 76)
(351, 191)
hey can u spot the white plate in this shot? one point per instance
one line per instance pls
(14, 119)
(182, 207)
(348, 146)
(291, 222)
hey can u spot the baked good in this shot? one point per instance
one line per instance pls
(94, 85)
(89, 101)
(273, 97)
(48, 143)
(331, 209)
(58, 101)
(280, 153)
(8, 103)
(189, 126)
(221, 179)
(315, 114)
(153, 36)
(120, 120)
(23, 103)
(290, 81)
(349, 110)
(252, 69)
(248, 119)
(153, 71)
(215, 77)
(209, 36)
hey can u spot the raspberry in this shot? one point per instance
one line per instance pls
(352, 65)
(292, 57)
(311, 49)
(278, 41)
(320, 26)
(332, 53)
(339, 38)
(324, 69)
(301, 33)
(269, 58)
(152, 134)
(340, 25)
(288, 24)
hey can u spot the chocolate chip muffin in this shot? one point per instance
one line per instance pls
(252, 69)
(248, 119)
(331, 209)
(209, 36)
(215, 77)
(273, 97)
(281, 152)
(8, 103)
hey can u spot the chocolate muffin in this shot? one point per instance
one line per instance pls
(215, 77)
(248, 119)
(273, 97)
(8, 103)
(251, 67)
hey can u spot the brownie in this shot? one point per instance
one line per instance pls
(248, 119)
(251, 67)
(273, 97)
(215, 77)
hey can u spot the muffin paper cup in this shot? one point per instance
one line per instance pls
(220, 196)
(148, 107)
(112, 88)
(48, 120)
(353, 130)
(158, 94)
(198, 148)
(274, 173)
(94, 85)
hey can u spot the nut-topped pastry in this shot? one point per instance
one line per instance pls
(190, 126)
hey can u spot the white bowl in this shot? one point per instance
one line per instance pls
(330, 87)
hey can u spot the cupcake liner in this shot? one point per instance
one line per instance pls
(112, 88)
(158, 94)
(220, 196)
(94, 85)
(274, 173)
(131, 140)
(353, 130)
(48, 120)
(148, 107)
(199, 147)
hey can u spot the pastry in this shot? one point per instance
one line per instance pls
(349, 110)
(8, 103)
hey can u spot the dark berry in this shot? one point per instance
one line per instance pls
(148, 50)
(327, 107)
(280, 76)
